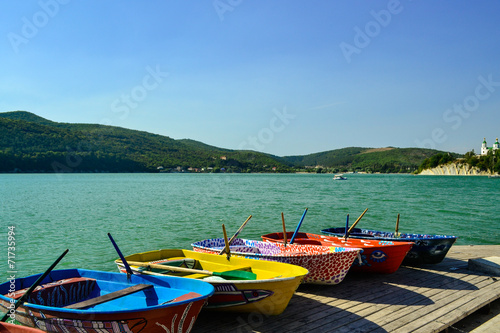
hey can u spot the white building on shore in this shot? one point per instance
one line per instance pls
(485, 149)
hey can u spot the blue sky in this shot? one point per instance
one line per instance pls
(281, 77)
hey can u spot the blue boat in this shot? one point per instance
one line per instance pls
(427, 249)
(80, 300)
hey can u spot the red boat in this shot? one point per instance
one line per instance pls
(377, 256)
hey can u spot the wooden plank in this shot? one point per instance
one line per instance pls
(430, 313)
(389, 313)
(375, 303)
(108, 297)
(361, 322)
(413, 312)
(432, 295)
(312, 303)
(358, 318)
(370, 302)
(462, 308)
(333, 316)
(344, 309)
(386, 309)
(317, 315)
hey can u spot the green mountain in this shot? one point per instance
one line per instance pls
(29, 143)
(383, 160)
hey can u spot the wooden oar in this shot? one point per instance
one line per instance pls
(33, 286)
(298, 227)
(230, 275)
(127, 267)
(226, 242)
(284, 229)
(235, 234)
(396, 234)
(352, 227)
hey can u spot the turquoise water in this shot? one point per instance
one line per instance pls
(52, 212)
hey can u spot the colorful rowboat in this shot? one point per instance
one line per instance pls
(326, 265)
(79, 300)
(269, 293)
(377, 256)
(427, 249)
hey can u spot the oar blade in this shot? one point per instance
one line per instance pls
(236, 275)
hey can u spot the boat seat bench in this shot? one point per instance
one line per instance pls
(163, 262)
(108, 297)
(166, 263)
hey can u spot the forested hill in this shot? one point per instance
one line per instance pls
(390, 159)
(29, 143)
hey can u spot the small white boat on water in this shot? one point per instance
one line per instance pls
(339, 177)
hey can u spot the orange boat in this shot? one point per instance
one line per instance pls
(377, 256)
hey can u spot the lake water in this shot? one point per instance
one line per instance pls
(53, 212)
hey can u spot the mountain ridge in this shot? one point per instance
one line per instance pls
(31, 141)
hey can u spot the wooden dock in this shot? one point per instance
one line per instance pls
(424, 299)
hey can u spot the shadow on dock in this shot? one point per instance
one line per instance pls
(428, 298)
(377, 293)
(430, 278)
(314, 316)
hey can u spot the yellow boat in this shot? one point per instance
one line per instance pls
(268, 292)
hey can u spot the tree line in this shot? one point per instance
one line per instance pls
(29, 143)
(489, 163)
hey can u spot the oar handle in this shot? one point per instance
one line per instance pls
(235, 234)
(127, 267)
(226, 242)
(397, 226)
(284, 228)
(346, 227)
(170, 268)
(34, 285)
(298, 227)
(354, 224)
